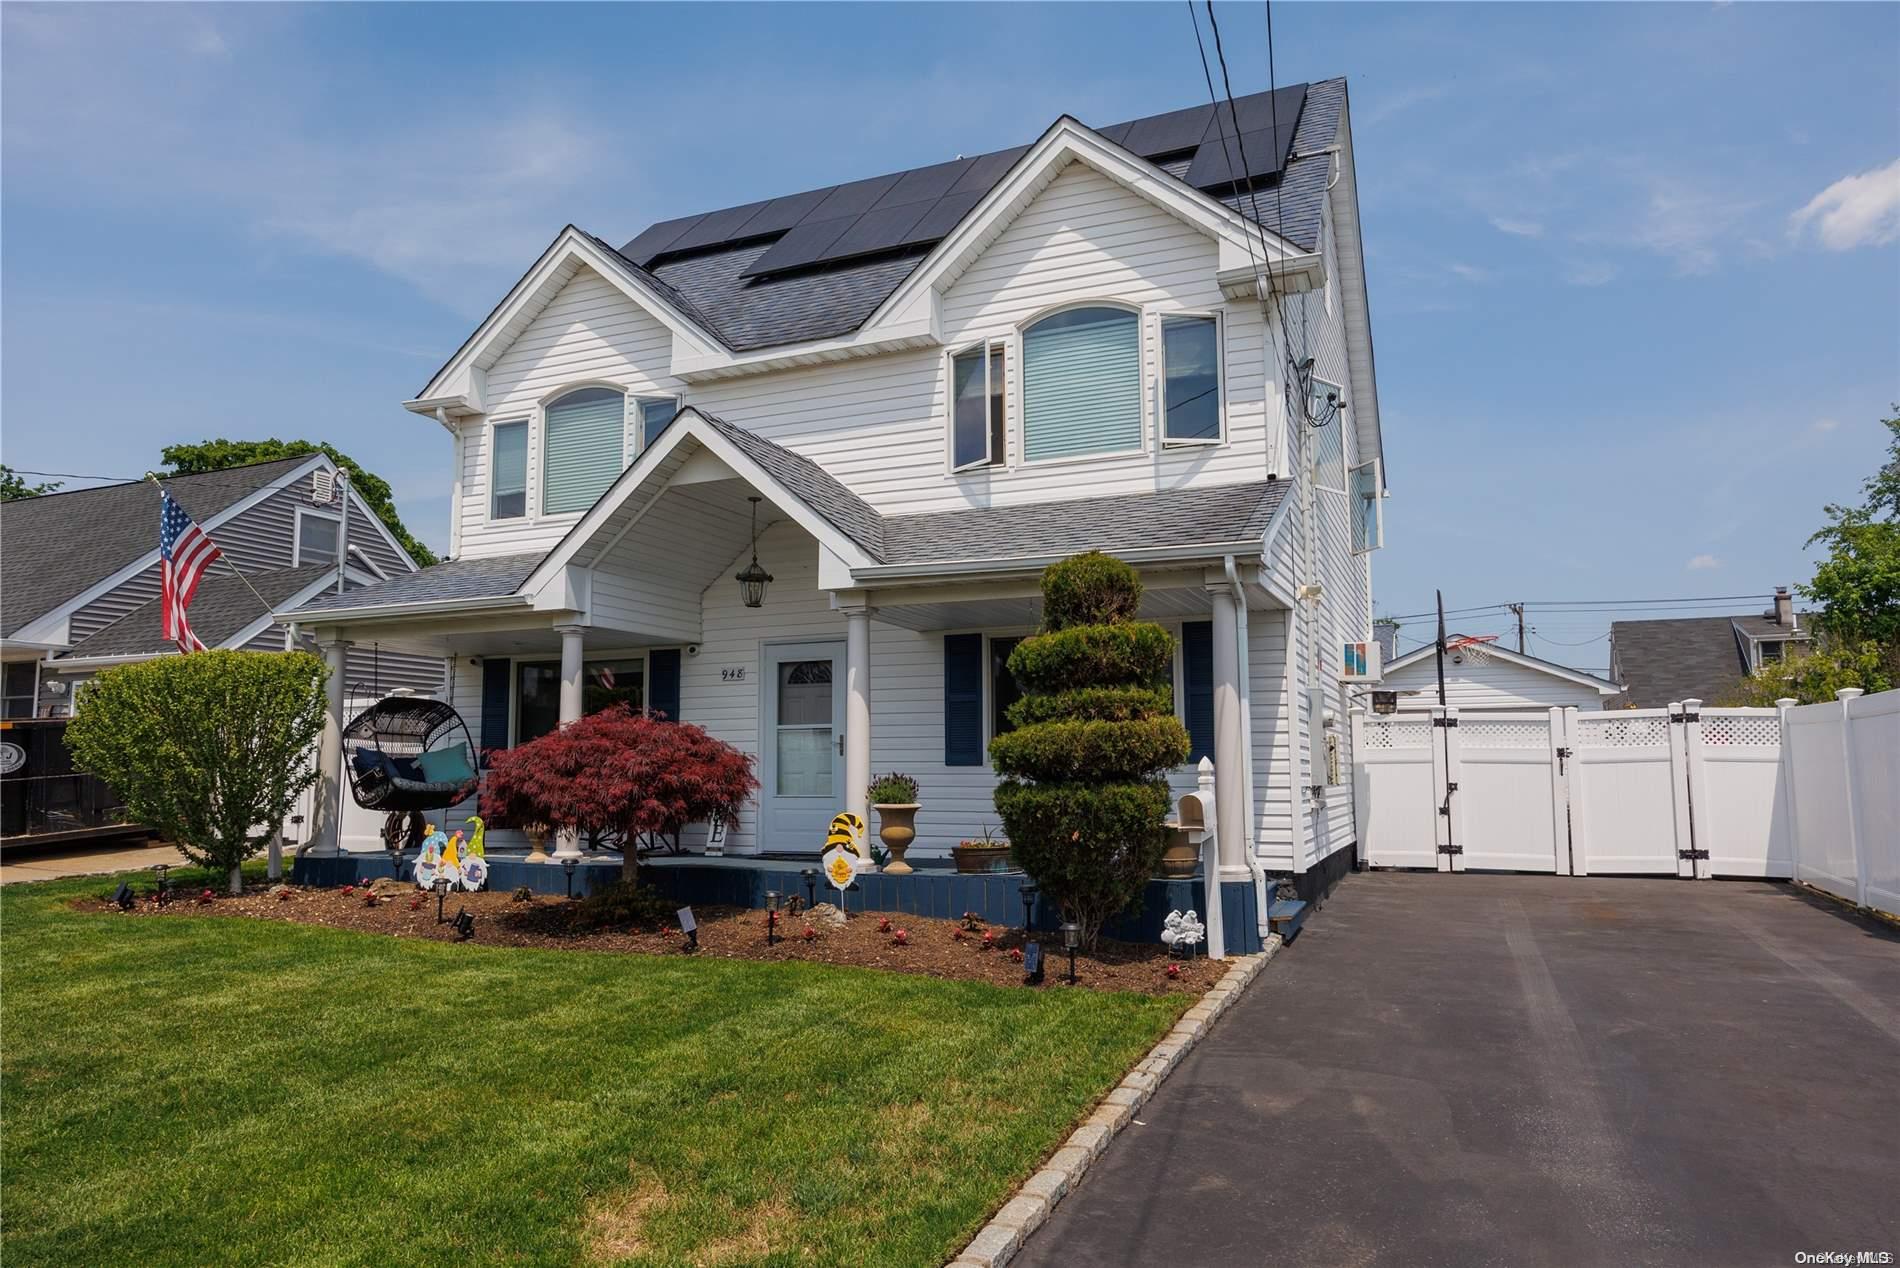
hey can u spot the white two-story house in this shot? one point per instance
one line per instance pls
(904, 396)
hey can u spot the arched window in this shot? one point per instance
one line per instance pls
(584, 447)
(1082, 383)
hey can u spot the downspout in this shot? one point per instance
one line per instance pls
(1251, 853)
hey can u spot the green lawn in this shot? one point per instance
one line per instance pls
(215, 1090)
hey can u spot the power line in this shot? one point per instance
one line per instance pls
(1572, 606)
(76, 475)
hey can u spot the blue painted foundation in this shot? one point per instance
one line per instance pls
(996, 897)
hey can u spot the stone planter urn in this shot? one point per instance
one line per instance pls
(537, 843)
(1181, 858)
(897, 828)
(977, 857)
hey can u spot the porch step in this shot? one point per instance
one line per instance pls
(1285, 916)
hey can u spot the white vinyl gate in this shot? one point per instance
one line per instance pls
(1682, 791)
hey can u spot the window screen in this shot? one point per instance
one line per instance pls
(585, 448)
(316, 539)
(1082, 384)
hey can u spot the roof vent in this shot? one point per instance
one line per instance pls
(322, 487)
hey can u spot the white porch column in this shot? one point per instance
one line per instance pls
(326, 833)
(857, 709)
(1230, 744)
(567, 843)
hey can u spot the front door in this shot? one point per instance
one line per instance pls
(802, 745)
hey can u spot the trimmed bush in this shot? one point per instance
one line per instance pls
(1090, 589)
(1134, 655)
(1085, 798)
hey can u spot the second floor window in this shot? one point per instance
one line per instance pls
(508, 481)
(1082, 384)
(655, 413)
(977, 435)
(1190, 380)
(317, 538)
(583, 448)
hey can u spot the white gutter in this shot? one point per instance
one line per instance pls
(1251, 853)
(1296, 812)
(427, 607)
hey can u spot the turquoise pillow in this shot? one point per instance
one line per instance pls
(446, 766)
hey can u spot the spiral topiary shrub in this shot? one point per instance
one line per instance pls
(1085, 796)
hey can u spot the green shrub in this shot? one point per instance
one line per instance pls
(1058, 752)
(1133, 655)
(1089, 589)
(211, 749)
(1085, 798)
(625, 905)
(893, 789)
(1096, 704)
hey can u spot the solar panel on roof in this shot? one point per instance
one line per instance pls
(656, 238)
(986, 169)
(855, 198)
(715, 227)
(782, 213)
(1217, 165)
(878, 230)
(944, 215)
(803, 244)
(1166, 133)
(925, 184)
(1266, 109)
(1115, 132)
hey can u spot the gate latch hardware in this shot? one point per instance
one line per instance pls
(1451, 849)
(1685, 717)
(1444, 721)
(1444, 807)
(1692, 853)
(1562, 754)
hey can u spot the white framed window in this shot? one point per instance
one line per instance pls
(1193, 379)
(1366, 495)
(978, 406)
(314, 540)
(1082, 383)
(508, 470)
(583, 447)
(655, 414)
(1326, 401)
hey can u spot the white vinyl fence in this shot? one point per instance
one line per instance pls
(1682, 791)
(1843, 762)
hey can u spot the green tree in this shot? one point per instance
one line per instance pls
(1085, 794)
(218, 455)
(211, 749)
(1816, 675)
(1858, 584)
(12, 487)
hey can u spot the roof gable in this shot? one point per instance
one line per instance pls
(1509, 657)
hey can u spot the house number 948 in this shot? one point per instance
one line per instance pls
(732, 673)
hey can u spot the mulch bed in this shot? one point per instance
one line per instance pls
(937, 948)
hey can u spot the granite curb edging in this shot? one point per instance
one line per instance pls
(999, 1240)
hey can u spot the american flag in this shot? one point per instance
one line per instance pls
(184, 552)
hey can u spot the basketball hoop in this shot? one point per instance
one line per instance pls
(1470, 649)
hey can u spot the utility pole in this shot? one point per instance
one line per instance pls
(1518, 608)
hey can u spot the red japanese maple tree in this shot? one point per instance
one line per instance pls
(619, 778)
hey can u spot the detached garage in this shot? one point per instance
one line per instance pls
(1480, 676)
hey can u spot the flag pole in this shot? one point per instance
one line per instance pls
(228, 561)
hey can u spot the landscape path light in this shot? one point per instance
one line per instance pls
(1071, 939)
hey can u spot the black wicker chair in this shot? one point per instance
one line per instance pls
(407, 754)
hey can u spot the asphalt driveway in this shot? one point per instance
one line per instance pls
(1525, 1070)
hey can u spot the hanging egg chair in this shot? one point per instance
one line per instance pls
(409, 753)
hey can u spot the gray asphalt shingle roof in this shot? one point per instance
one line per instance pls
(706, 276)
(58, 545)
(488, 577)
(815, 486)
(222, 607)
(1666, 661)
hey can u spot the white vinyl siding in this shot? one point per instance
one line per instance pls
(1082, 384)
(584, 440)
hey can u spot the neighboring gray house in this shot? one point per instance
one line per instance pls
(79, 576)
(1700, 657)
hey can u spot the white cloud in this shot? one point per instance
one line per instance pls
(1701, 562)
(1590, 273)
(1517, 228)
(1469, 272)
(1855, 211)
(1822, 426)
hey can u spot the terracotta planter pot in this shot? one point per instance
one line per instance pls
(974, 860)
(1181, 858)
(897, 828)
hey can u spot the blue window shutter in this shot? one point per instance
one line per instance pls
(962, 699)
(497, 681)
(585, 448)
(1197, 683)
(1082, 384)
(663, 693)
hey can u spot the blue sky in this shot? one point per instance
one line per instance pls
(1634, 274)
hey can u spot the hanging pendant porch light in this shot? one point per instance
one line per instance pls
(753, 579)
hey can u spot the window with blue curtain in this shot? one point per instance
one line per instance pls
(584, 448)
(508, 474)
(1082, 384)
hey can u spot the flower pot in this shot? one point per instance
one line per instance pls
(976, 859)
(1181, 858)
(897, 828)
(537, 845)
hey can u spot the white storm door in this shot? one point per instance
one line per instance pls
(802, 745)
